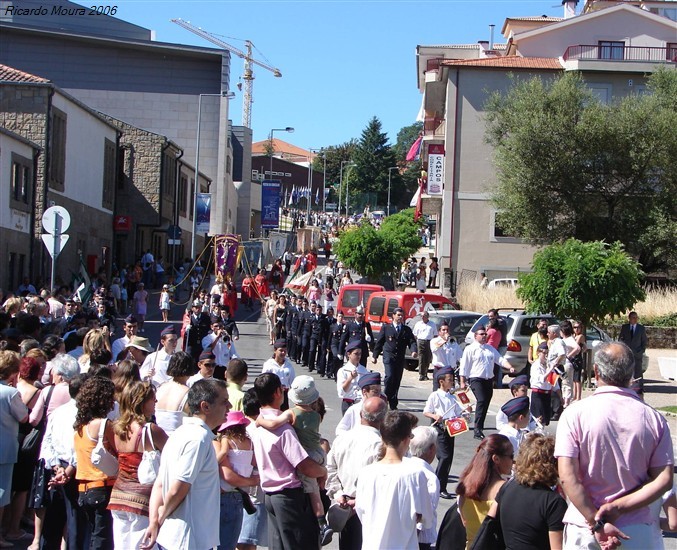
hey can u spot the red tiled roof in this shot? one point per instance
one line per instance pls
(283, 149)
(507, 62)
(9, 74)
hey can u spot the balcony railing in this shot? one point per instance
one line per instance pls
(613, 52)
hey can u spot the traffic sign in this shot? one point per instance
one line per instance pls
(56, 219)
(174, 232)
(173, 242)
(50, 242)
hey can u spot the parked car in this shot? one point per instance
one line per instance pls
(459, 323)
(501, 283)
(520, 327)
(381, 305)
(351, 296)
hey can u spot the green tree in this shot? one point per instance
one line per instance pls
(585, 281)
(409, 171)
(373, 156)
(374, 253)
(570, 166)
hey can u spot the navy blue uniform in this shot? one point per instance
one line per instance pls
(358, 331)
(393, 344)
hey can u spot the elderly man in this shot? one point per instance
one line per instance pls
(609, 445)
(184, 504)
(423, 448)
(279, 455)
(352, 451)
(424, 331)
(155, 365)
(477, 370)
(634, 336)
(393, 341)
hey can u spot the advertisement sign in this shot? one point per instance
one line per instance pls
(270, 204)
(122, 223)
(435, 169)
(204, 207)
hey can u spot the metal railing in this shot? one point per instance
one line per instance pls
(613, 52)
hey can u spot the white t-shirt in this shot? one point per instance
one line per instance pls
(285, 372)
(388, 498)
(350, 419)
(189, 456)
(345, 372)
(159, 360)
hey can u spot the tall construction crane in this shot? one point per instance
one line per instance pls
(249, 60)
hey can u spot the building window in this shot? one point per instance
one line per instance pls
(497, 233)
(601, 91)
(610, 49)
(22, 183)
(168, 176)
(57, 150)
(183, 199)
(109, 172)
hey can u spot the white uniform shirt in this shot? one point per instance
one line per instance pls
(429, 535)
(158, 361)
(555, 350)
(223, 351)
(478, 361)
(189, 456)
(118, 346)
(351, 418)
(285, 371)
(537, 378)
(514, 435)
(444, 404)
(353, 392)
(425, 331)
(445, 354)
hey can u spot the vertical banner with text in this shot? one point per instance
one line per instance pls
(204, 211)
(270, 204)
(435, 169)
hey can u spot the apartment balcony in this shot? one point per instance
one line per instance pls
(617, 57)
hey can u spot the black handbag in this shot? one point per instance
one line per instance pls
(30, 445)
(247, 503)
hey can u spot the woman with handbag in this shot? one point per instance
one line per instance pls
(481, 480)
(30, 371)
(96, 459)
(138, 442)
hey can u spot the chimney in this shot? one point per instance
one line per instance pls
(569, 8)
(491, 36)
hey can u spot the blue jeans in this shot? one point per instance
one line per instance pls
(230, 520)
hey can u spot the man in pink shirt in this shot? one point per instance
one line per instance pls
(607, 446)
(291, 521)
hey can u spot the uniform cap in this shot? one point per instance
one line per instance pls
(515, 405)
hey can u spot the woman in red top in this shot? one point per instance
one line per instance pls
(247, 291)
(261, 282)
(493, 334)
(229, 297)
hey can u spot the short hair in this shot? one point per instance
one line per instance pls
(377, 416)
(250, 403)
(29, 369)
(66, 365)
(51, 345)
(567, 328)
(27, 344)
(9, 364)
(101, 356)
(493, 310)
(615, 363)
(76, 383)
(237, 370)
(555, 329)
(424, 438)
(181, 364)
(536, 463)
(514, 416)
(397, 427)
(266, 385)
(204, 390)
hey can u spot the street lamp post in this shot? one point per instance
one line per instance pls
(324, 175)
(389, 172)
(341, 186)
(196, 191)
(272, 131)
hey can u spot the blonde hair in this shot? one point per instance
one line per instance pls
(133, 396)
(94, 339)
(13, 305)
(9, 364)
(536, 463)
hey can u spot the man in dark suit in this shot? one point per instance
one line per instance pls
(318, 328)
(334, 360)
(199, 327)
(305, 316)
(358, 329)
(393, 341)
(634, 336)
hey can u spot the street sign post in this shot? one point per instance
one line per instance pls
(56, 220)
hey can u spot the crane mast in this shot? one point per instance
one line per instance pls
(249, 61)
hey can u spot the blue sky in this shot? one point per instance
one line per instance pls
(342, 61)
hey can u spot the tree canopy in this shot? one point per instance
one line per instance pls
(585, 281)
(571, 166)
(376, 252)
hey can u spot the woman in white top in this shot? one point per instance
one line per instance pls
(348, 376)
(572, 351)
(172, 396)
